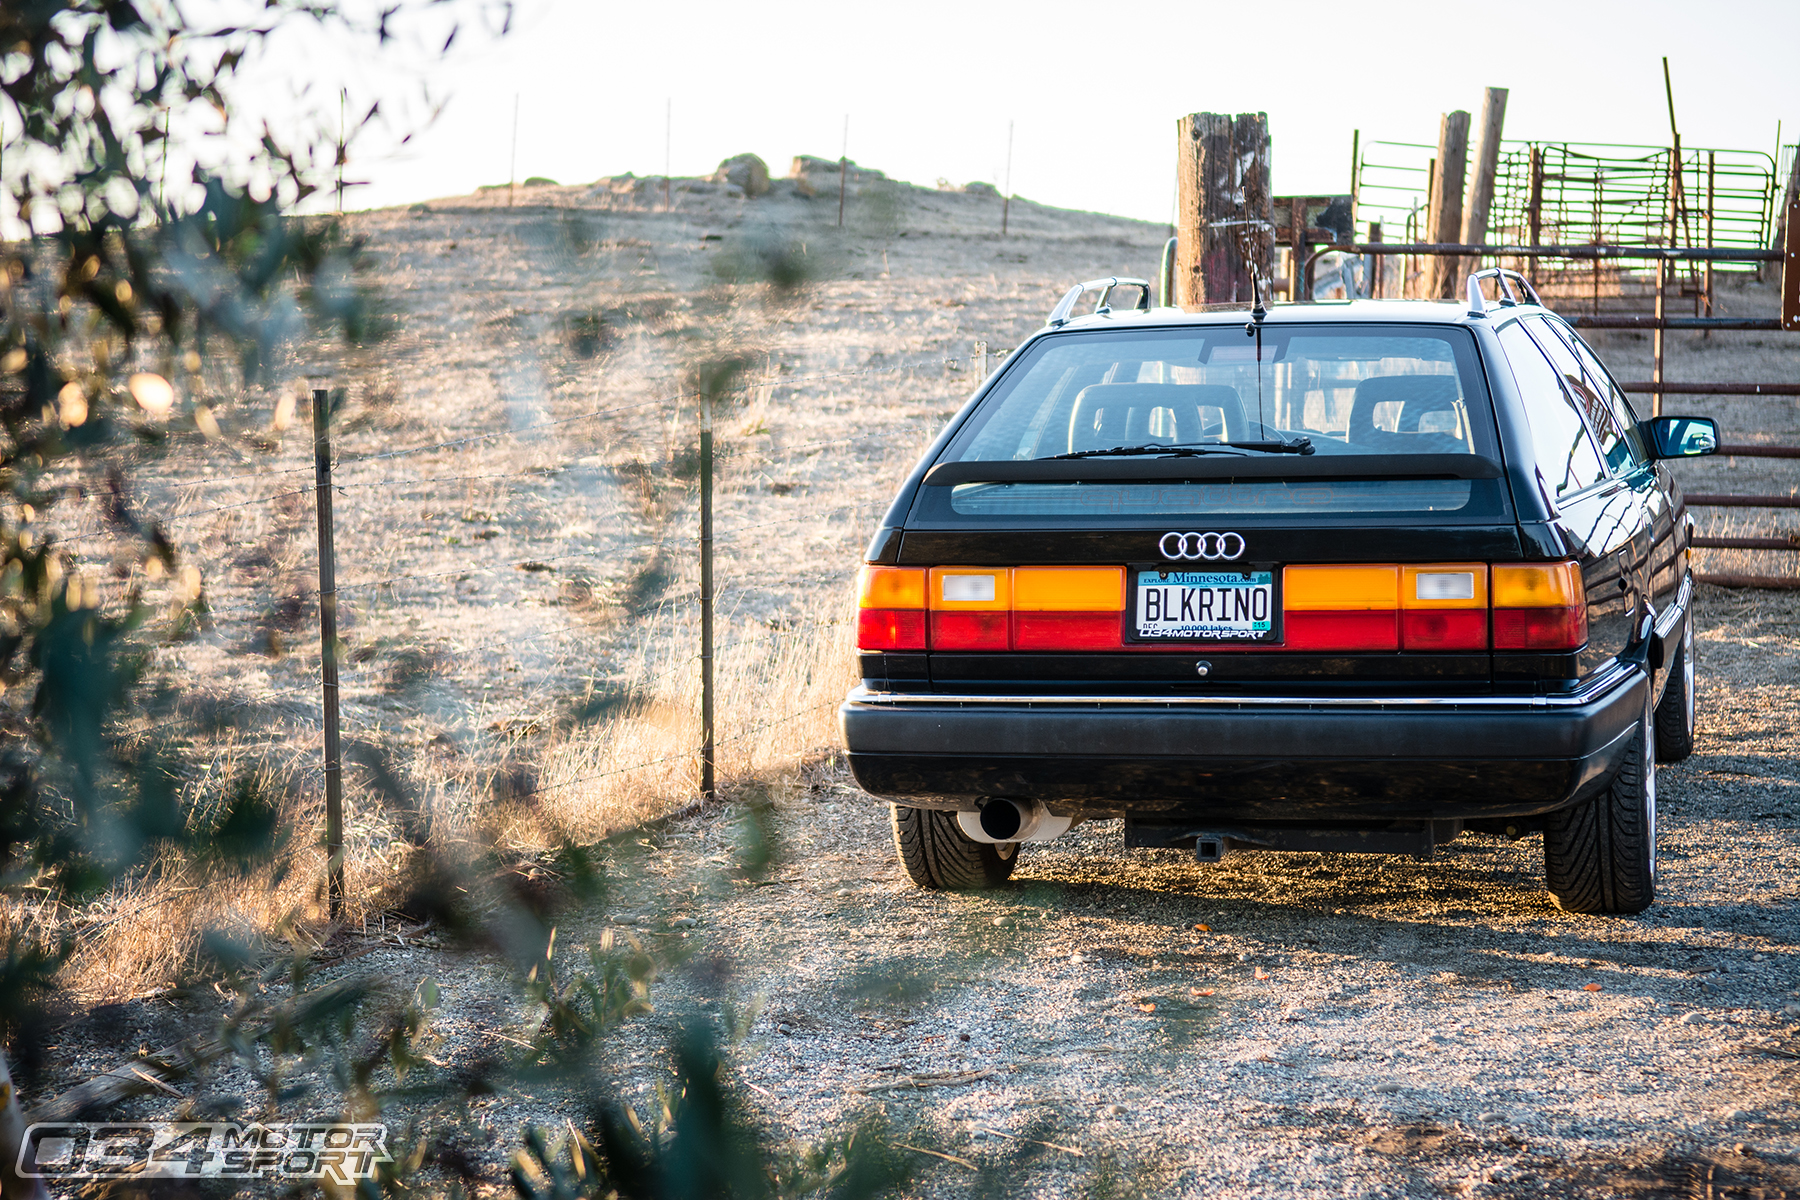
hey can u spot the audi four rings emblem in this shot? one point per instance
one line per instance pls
(1213, 547)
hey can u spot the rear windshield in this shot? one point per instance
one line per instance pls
(1371, 390)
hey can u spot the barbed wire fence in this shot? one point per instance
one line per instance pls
(314, 700)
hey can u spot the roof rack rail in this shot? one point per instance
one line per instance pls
(1508, 297)
(1063, 313)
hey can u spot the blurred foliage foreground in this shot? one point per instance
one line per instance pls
(114, 290)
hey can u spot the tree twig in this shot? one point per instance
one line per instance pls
(1016, 1138)
(939, 1154)
(925, 1081)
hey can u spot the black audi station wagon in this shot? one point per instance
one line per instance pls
(1342, 577)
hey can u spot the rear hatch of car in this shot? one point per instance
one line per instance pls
(1212, 507)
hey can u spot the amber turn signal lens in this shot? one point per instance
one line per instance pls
(1537, 585)
(890, 587)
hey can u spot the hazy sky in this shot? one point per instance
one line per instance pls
(1094, 89)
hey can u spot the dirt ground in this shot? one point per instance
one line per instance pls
(1127, 1022)
(1341, 1026)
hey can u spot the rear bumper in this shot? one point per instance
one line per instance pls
(1237, 758)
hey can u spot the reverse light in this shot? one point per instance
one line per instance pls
(970, 608)
(1539, 606)
(1444, 607)
(890, 612)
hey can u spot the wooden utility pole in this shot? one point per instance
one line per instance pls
(1225, 215)
(1444, 216)
(1487, 166)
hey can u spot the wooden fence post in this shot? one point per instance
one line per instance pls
(1534, 212)
(1787, 240)
(1445, 214)
(1377, 284)
(708, 734)
(328, 652)
(1487, 165)
(1790, 258)
(1225, 226)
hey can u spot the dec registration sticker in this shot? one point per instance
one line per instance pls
(1206, 606)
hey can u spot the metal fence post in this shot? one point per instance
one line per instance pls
(328, 642)
(707, 783)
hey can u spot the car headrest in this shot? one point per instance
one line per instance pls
(1417, 394)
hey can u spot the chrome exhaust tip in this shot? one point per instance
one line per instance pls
(1002, 820)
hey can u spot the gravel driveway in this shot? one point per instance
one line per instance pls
(1302, 1025)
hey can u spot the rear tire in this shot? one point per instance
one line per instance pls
(1600, 856)
(938, 854)
(1675, 721)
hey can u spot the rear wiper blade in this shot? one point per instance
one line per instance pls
(1300, 445)
(1166, 450)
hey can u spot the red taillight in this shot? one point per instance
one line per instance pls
(890, 608)
(1539, 606)
(1540, 628)
(1066, 631)
(1307, 630)
(968, 630)
(890, 629)
(1444, 629)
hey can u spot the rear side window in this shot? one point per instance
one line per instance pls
(1589, 390)
(1615, 398)
(1565, 452)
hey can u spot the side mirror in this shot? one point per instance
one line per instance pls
(1681, 437)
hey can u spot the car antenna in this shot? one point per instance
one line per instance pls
(1254, 329)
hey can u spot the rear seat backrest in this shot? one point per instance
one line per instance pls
(1417, 395)
(1123, 414)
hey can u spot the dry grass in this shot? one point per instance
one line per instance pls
(777, 692)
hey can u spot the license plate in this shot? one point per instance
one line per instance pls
(1206, 606)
